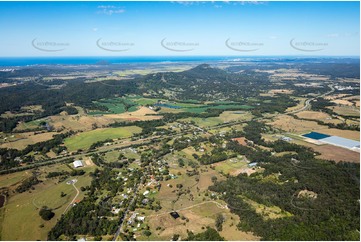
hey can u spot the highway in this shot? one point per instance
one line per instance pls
(308, 101)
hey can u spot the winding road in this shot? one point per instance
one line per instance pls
(77, 194)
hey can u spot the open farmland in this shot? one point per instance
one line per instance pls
(86, 139)
(25, 139)
(25, 206)
(346, 110)
(199, 216)
(290, 124)
(331, 152)
(319, 116)
(228, 116)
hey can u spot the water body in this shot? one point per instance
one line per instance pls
(30, 61)
(93, 60)
(316, 136)
(167, 105)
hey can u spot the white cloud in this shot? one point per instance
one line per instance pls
(334, 35)
(110, 10)
(342, 35)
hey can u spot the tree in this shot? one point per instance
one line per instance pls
(175, 237)
(147, 233)
(46, 213)
(219, 222)
(98, 238)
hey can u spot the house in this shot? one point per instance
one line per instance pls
(18, 159)
(132, 218)
(140, 218)
(285, 138)
(78, 163)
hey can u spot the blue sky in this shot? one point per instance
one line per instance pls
(178, 28)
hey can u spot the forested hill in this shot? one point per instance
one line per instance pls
(202, 83)
(205, 83)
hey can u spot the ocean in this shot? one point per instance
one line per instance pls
(29, 61)
(93, 60)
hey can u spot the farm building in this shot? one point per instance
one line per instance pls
(342, 142)
(78, 163)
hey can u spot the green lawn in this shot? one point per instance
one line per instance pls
(228, 166)
(86, 139)
(204, 122)
(115, 105)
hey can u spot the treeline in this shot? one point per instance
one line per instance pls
(321, 104)
(27, 184)
(217, 154)
(99, 144)
(208, 235)
(332, 215)
(278, 104)
(85, 218)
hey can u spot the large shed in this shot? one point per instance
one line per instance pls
(78, 163)
(342, 142)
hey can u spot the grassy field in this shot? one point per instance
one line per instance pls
(115, 106)
(230, 166)
(8, 180)
(29, 125)
(290, 124)
(229, 116)
(204, 108)
(86, 139)
(25, 206)
(346, 110)
(204, 122)
(28, 138)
